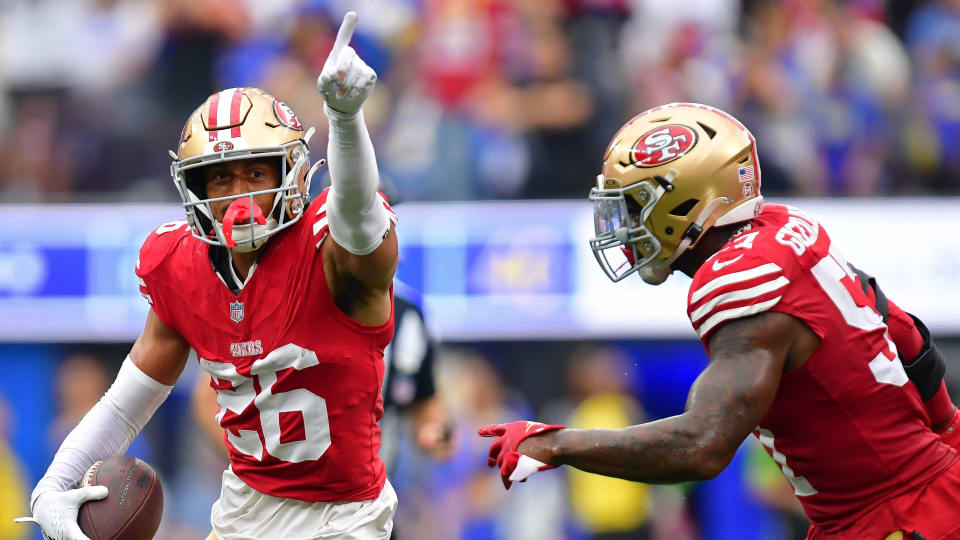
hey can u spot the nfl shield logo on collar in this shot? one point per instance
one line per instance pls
(236, 311)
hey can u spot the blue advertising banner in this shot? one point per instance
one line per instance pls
(487, 270)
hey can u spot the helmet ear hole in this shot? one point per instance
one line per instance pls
(684, 208)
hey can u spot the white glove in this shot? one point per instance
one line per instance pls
(56, 512)
(346, 81)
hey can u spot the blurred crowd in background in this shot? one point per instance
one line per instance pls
(488, 99)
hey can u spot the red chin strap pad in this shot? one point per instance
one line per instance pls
(239, 210)
(629, 254)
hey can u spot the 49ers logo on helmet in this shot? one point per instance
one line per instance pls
(223, 146)
(285, 115)
(662, 145)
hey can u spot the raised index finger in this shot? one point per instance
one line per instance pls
(345, 33)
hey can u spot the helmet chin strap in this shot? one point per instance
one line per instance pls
(658, 271)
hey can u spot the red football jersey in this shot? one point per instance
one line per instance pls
(845, 428)
(297, 380)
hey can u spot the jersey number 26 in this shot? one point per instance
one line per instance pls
(271, 405)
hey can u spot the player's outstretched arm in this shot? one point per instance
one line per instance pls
(725, 404)
(143, 383)
(925, 367)
(360, 224)
(922, 361)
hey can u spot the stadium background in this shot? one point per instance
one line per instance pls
(855, 104)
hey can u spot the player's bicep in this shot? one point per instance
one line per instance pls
(735, 391)
(160, 352)
(376, 269)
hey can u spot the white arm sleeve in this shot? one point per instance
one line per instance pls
(358, 219)
(106, 430)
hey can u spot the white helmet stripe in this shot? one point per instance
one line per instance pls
(224, 106)
(235, 102)
(225, 111)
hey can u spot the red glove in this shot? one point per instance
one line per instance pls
(950, 433)
(514, 466)
(239, 210)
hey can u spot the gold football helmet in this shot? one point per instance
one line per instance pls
(243, 123)
(670, 174)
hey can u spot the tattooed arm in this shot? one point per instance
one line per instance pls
(725, 404)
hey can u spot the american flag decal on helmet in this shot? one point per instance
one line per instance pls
(745, 173)
(225, 112)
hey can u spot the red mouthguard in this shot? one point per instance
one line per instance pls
(239, 210)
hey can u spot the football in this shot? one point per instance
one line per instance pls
(134, 504)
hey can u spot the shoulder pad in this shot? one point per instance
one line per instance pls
(316, 217)
(159, 244)
(739, 281)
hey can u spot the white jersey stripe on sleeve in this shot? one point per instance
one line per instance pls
(322, 238)
(319, 225)
(383, 200)
(322, 209)
(737, 295)
(735, 277)
(735, 313)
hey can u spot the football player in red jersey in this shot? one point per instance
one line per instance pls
(799, 352)
(288, 305)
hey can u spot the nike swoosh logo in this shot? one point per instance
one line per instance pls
(531, 425)
(717, 265)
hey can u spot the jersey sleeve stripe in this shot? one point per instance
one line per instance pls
(322, 209)
(319, 225)
(147, 297)
(320, 241)
(738, 295)
(723, 281)
(390, 213)
(735, 313)
(385, 203)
